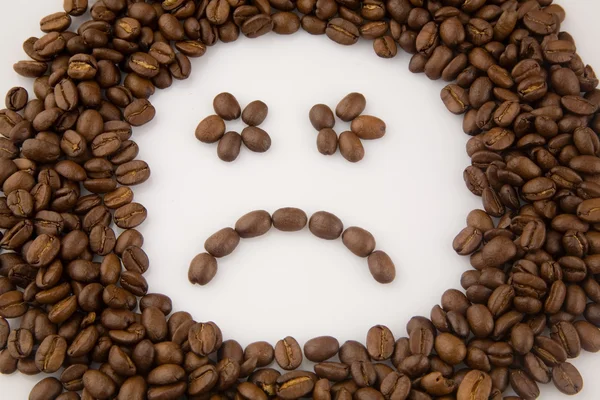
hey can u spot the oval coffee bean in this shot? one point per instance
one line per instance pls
(325, 225)
(255, 113)
(358, 241)
(351, 106)
(222, 243)
(288, 353)
(321, 117)
(253, 224)
(256, 139)
(368, 127)
(381, 266)
(229, 146)
(203, 269)
(321, 348)
(351, 147)
(227, 107)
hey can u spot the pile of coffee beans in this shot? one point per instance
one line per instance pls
(75, 286)
(322, 224)
(212, 128)
(349, 109)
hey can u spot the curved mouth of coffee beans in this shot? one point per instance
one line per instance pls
(527, 99)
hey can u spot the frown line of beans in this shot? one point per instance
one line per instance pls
(526, 97)
(212, 128)
(322, 224)
(365, 127)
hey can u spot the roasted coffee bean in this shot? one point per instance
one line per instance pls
(325, 225)
(294, 384)
(51, 354)
(351, 146)
(226, 106)
(257, 25)
(255, 113)
(321, 117)
(351, 106)
(381, 266)
(256, 139)
(47, 388)
(368, 127)
(203, 269)
(288, 353)
(321, 348)
(567, 379)
(342, 31)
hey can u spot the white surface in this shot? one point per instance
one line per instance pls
(408, 191)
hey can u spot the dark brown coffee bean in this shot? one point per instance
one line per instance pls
(222, 243)
(321, 117)
(51, 354)
(293, 385)
(381, 267)
(351, 146)
(227, 106)
(257, 25)
(253, 224)
(47, 388)
(351, 106)
(288, 353)
(139, 112)
(130, 215)
(321, 348)
(327, 141)
(368, 127)
(380, 343)
(455, 98)
(229, 146)
(475, 385)
(256, 139)
(202, 269)
(567, 379)
(132, 172)
(342, 31)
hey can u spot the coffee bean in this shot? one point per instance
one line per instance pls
(455, 99)
(47, 388)
(381, 267)
(139, 112)
(20, 343)
(256, 139)
(257, 25)
(285, 23)
(132, 172)
(255, 113)
(321, 348)
(130, 215)
(351, 146)
(222, 243)
(358, 241)
(467, 241)
(321, 117)
(253, 224)
(16, 98)
(342, 31)
(368, 127)
(351, 106)
(51, 354)
(293, 385)
(325, 225)
(567, 379)
(288, 353)
(380, 342)
(226, 106)
(327, 141)
(203, 269)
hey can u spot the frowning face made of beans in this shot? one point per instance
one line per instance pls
(83, 266)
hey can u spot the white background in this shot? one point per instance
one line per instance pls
(408, 191)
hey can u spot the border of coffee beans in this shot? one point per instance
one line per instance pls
(365, 127)
(526, 97)
(212, 128)
(322, 224)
